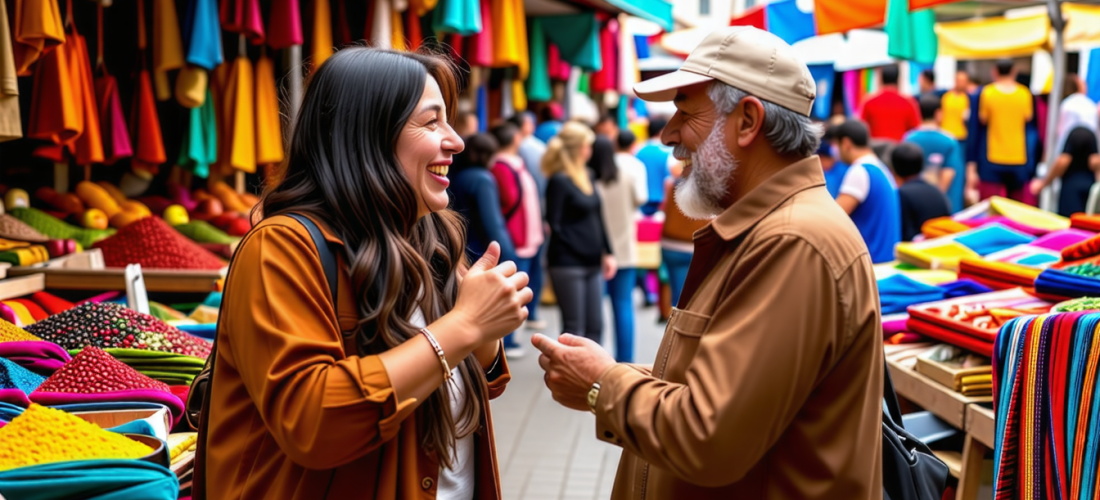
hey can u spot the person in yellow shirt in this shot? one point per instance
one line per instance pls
(1005, 107)
(955, 106)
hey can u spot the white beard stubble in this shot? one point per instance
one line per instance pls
(713, 166)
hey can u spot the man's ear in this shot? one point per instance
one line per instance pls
(750, 121)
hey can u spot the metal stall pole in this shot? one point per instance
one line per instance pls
(1058, 25)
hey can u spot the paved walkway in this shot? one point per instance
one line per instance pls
(548, 452)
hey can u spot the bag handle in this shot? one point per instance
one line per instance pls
(328, 258)
(890, 398)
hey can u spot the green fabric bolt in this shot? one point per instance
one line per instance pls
(200, 144)
(911, 34)
(457, 16)
(577, 37)
(538, 80)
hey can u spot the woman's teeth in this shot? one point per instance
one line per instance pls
(440, 170)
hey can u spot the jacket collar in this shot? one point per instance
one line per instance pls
(746, 212)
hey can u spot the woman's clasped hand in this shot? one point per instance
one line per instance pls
(492, 297)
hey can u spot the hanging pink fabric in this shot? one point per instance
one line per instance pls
(285, 24)
(558, 69)
(116, 137)
(479, 48)
(243, 17)
(607, 77)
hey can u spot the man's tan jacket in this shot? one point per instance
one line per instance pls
(768, 382)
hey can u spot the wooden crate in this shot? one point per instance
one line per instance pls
(12, 288)
(943, 402)
(948, 375)
(85, 271)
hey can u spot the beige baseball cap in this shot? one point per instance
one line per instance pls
(748, 58)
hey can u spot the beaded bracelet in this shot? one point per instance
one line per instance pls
(439, 352)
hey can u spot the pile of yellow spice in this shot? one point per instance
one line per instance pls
(11, 333)
(44, 435)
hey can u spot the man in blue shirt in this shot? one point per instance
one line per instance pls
(657, 159)
(835, 170)
(943, 158)
(869, 193)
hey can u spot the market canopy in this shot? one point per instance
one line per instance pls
(657, 11)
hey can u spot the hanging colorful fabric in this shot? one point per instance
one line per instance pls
(191, 86)
(285, 25)
(911, 34)
(509, 24)
(37, 29)
(343, 34)
(55, 110)
(462, 17)
(243, 17)
(538, 78)
(112, 123)
(605, 79)
(838, 16)
(479, 46)
(413, 32)
(322, 32)
(11, 126)
(239, 134)
(199, 149)
(398, 40)
(88, 147)
(202, 34)
(145, 127)
(577, 36)
(269, 137)
(167, 48)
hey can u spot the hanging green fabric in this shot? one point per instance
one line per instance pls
(462, 17)
(577, 37)
(538, 80)
(912, 35)
(200, 144)
(584, 84)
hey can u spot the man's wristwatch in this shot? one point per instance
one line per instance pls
(593, 395)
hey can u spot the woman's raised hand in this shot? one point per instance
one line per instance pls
(493, 298)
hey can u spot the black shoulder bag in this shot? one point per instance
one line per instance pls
(198, 399)
(909, 469)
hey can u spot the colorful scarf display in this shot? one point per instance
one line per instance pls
(1044, 388)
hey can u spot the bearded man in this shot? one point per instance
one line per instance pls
(768, 382)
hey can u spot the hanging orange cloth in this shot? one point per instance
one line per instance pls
(112, 122)
(269, 137)
(509, 35)
(322, 32)
(239, 132)
(55, 113)
(11, 127)
(838, 16)
(243, 18)
(414, 33)
(144, 123)
(167, 47)
(37, 30)
(88, 147)
(398, 42)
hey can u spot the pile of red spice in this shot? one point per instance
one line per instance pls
(93, 371)
(112, 325)
(152, 243)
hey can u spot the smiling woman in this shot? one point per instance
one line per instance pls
(354, 396)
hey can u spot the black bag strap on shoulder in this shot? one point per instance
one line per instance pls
(910, 471)
(197, 407)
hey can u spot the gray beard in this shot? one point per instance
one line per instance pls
(713, 166)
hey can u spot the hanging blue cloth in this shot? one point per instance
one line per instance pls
(641, 46)
(202, 34)
(825, 76)
(1092, 76)
(790, 23)
(457, 16)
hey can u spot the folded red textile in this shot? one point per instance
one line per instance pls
(1085, 221)
(952, 337)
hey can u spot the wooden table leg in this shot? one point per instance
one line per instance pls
(970, 478)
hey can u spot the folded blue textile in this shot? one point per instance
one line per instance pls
(204, 330)
(9, 411)
(993, 238)
(135, 427)
(90, 480)
(1063, 284)
(898, 292)
(963, 288)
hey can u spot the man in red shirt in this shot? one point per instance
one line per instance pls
(889, 114)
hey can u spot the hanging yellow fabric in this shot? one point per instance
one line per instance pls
(191, 86)
(167, 47)
(1082, 24)
(241, 127)
(37, 30)
(269, 137)
(11, 127)
(322, 32)
(398, 42)
(994, 37)
(510, 36)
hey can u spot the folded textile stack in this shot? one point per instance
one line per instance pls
(19, 253)
(1019, 216)
(29, 351)
(1047, 447)
(965, 373)
(1026, 255)
(926, 276)
(1086, 222)
(170, 368)
(997, 275)
(95, 376)
(946, 252)
(27, 311)
(942, 226)
(1080, 280)
(1063, 238)
(112, 325)
(972, 322)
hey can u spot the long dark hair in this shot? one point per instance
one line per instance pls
(602, 161)
(342, 169)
